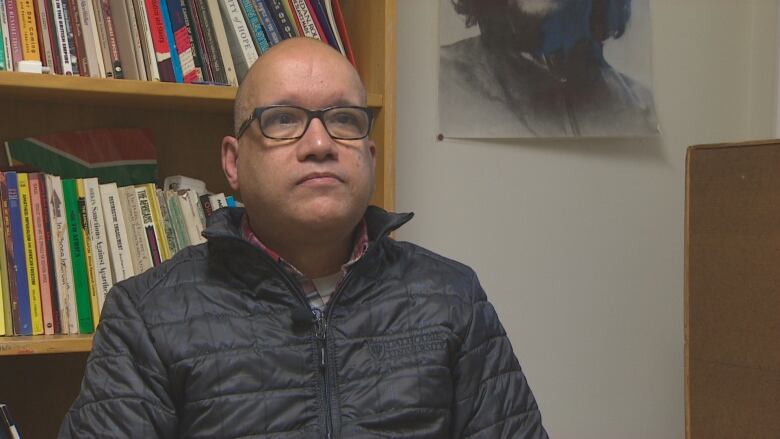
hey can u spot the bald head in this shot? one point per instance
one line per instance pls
(298, 55)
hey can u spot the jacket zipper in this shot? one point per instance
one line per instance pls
(320, 330)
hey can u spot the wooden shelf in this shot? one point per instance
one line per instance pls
(125, 92)
(44, 344)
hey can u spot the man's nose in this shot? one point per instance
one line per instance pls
(316, 143)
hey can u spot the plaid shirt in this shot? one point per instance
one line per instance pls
(317, 299)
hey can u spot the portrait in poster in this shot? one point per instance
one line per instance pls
(545, 68)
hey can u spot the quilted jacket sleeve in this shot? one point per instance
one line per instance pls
(125, 389)
(492, 397)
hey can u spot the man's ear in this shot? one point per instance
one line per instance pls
(230, 161)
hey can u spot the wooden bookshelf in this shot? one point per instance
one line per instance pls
(40, 375)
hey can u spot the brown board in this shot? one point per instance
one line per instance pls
(732, 291)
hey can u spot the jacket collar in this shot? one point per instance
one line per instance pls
(226, 223)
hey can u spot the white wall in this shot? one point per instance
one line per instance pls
(579, 243)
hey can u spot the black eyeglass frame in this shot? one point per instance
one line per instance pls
(310, 114)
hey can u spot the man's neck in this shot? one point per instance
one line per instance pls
(314, 255)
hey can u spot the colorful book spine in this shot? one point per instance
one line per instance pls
(289, 9)
(5, 286)
(221, 36)
(177, 72)
(342, 30)
(110, 43)
(198, 41)
(180, 227)
(167, 223)
(183, 41)
(286, 27)
(99, 247)
(8, 190)
(42, 254)
(146, 40)
(253, 21)
(159, 227)
(138, 242)
(14, 32)
(43, 19)
(240, 41)
(78, 258)
(326, 31)
(31, 259)
(147, 220)
(308, 20)
(162, 50)
(85, 235)
(205, 204)
(49, 246)
(212, 59)
(79, 45)
(5, 42)
(116, 231)
(63, 269)
(92, 50)
(231, 202)
(266, 17)
(332, 23)
(28, 30)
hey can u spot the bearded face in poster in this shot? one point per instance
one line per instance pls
(545, 68)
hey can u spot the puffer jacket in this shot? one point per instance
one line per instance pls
(218, 342)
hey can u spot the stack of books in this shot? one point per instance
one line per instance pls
(192, 41)
(65, 242)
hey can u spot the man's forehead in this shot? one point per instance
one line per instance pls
(299, 83)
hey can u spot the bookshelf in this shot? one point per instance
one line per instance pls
(40, 375)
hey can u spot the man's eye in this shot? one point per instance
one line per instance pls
(284, 119)
(345, 119)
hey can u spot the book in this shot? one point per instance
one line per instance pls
(231, 202)
(221, 37)
(8, 190)
(162, 49)
(332, 23)
(183, 41)
(284, 25)
(116, 231)
(177, 72)
(138, 243)
(217, 201)
(192, 213)
(125, 156)
(99, 246)
(28, 30)
(88, 258)
(14, 35)
(6, 323)
(177, 219)
(92, 48)
(49, 248)
(45, 41)
(5, 40)
(342, 30)
(240, 41)
(108, 40)
(289, 9)
(205, 204)
(126, 39)
(42, 254)
(147, 221)
(78, 256)
(63, 270)
(200, 47)
(308, 21)
(31, 259)
(63, 38)
(146, 40)
(252, 21)
(326, 31)
(159, 226)
(269, 25)
(167, 223)
(79, 48)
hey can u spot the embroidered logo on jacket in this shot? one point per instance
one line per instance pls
(390, 348)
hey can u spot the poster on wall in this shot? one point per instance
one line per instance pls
(545, 68)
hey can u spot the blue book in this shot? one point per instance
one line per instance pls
(254, 23)
(271, 31)
(177, 74)
(20, 262)
(231, 202)
(322, 17)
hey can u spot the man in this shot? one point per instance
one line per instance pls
(301, 318)
(538, 69)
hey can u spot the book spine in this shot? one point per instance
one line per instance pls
(91, 43)
(321, 17)
(216, 67)
(28, 30)
(78, 258)
(175, 61)
(116, 232)
(147, 221)
(200, 51)
(147, 40)
(266, 17)
(63, 43)
(289, 9)
(215, 20)
(332, 24)
(167, 223)
(205, 204)
(42, 254)
(14, 33)
(180, 227)
(241, 35)
(125, 44)
(308, 26)
(342, 30)
(43, 17)
(89, 261)
(101, 37)
(135, 41)
(159, 226)
(286, 28)
(253, 21)
(111, 46)
(8, 190)
(49, 248)
(192, 211)
(79, 45)
(62, 270)
(160, 40)
(183, 41)
(5, 40)
(139, 246)
(28, 235)
(5, 282)
(98, 245)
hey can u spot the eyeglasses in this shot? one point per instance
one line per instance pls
(288, 122)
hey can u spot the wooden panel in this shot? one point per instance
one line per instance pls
(732, 298)
(45, 344)
(40, 389)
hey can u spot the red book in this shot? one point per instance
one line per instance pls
(339, 15)
(39, 231)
